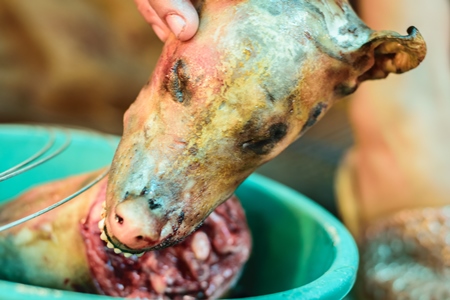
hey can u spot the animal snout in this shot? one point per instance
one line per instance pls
(136, 223)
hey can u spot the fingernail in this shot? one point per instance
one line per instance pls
(160, 33)
(176, 24)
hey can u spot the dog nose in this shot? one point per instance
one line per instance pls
(134, 225)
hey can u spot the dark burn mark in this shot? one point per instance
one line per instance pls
(144, 191)
(193, 150)
(153, 205)
(265, 144)
(308, 35)
(177, 82)
(290, 101)
(350, 28)
(313, 115)
(269, 95)
(180, 218)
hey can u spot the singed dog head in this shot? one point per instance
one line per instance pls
(254, 78)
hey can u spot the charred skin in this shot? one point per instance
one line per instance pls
(255, 77)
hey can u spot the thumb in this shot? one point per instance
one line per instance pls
(179, 15)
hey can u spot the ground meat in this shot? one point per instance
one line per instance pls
(203, 266)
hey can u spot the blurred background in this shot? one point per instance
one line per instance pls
(83, 62)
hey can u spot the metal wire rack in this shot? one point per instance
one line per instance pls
(49, 143)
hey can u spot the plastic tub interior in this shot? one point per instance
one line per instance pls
(300, 251)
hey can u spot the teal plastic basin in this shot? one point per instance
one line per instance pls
(300, 251)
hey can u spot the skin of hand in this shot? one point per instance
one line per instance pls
(400, 158)
(170, 16)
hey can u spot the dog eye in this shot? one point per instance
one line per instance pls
(265, 144)
(314, 115)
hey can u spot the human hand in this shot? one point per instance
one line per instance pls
(166, 16)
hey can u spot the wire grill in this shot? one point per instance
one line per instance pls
(54, 142)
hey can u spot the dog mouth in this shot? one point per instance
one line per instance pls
(110, 242)
(204, 266)
(121, 248)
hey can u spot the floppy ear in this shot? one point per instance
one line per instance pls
(389, 52)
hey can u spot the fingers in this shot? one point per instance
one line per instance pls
(165, 16)
(149, 14)
(179, 15)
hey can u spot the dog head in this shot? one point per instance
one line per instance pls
(255, 77)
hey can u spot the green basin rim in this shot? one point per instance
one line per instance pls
(334, 284)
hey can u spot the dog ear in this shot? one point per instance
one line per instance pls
(389, 52)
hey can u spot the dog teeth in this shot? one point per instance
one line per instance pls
(103, 236)
(101, 224)
(104, 204)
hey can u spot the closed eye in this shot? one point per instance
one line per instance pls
(152, 204)
(177, 82)
(264, 145)
(314, 114)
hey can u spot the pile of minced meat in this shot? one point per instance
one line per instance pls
(203, 266)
